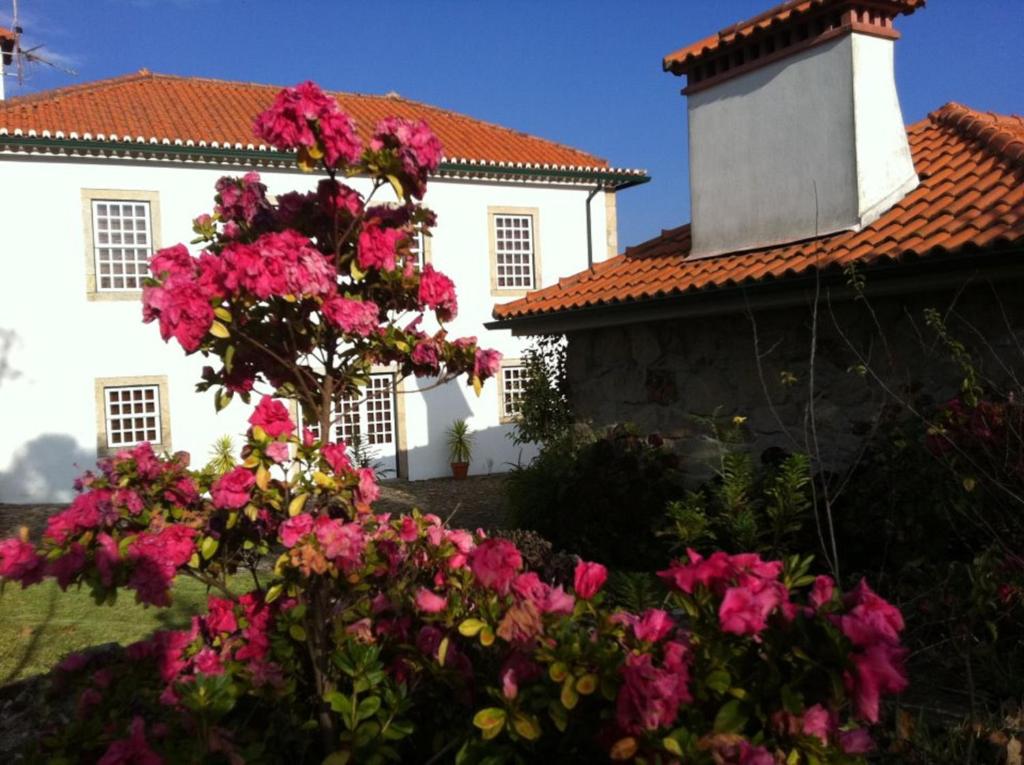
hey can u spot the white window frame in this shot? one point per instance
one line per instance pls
(107, 420)
(92, 233)
(500, 279)
(510, 389)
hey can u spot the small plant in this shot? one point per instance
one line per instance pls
(460, 448)
(222, 456)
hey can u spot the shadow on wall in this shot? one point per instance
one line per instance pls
(44, 469)
(8, 338)
(493, 450)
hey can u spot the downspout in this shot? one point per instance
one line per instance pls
(590, 233)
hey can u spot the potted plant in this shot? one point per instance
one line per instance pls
(460, 448)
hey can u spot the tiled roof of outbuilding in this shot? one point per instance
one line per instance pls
(971, 197)
(160, 107)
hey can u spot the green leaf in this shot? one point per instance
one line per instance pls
(368, 707)
(222, 313)
(526, 726)
(209, 547)
(296, 505)
(719, 681)
(274, 593)
(340, 703)
(337, 758)
(442, 652)
(730, 718)
(219, 330)
(297, 632)
(397, 186)
(672, 746)
(471, 627)
(490, 721)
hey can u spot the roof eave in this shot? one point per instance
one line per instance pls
(885, 278)
(189, 151)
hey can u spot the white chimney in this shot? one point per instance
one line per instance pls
(795, 124)
(8, 40)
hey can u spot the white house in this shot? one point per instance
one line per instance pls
(96, 176)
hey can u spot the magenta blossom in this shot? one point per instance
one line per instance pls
(233, 490)
(273, 417)
(377, 247)
(356, 317)
(336, 456)
(19, 562)
(494, 563)
(429, 602)
(296, 528)
(486, 363)
(437, 292)
(588, 579)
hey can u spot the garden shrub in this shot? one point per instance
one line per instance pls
(601, 497)
(545, 410)
(373, 638)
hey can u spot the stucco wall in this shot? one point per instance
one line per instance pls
(671, 376)
(54, 342)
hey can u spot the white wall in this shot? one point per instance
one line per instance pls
(810, 144)
(54, 342)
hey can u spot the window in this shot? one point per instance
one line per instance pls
(515, 259)
(513, 381)
(131, 410)
(420, 249)
(121, 234)
(122, 244)
(369, 420)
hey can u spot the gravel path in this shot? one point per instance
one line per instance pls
(476, 502)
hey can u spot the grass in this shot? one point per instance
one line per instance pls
(41, 625)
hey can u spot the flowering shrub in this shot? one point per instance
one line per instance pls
(372, 638)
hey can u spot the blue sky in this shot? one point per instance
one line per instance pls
(583, 72)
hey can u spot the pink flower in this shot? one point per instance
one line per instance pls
(207, 661)
(424, 358)
(856, 742)
(408, 531)
(872, 619)
(337, 197)
(495, 563)
(486, 363)
(437, 292)
(294, 529)
(429, 602)
(155, 558)
(133, 750)
(221, 615)
(650, 696)
(278, 451)
(588, 579)
(356, 317)
(745, 608)
(557, 601)
(19, 562)
(879, 670)
(336, 456)
(107, 557)
(377, 247)
(66, 567)
(271, 415)
(821, 591)
(418, 149)
(817, 722)
(653, 625)
(172, 261)
(232, 490)
(342, 543)
(338, 136)
(367, 491)
(289, 122)
(183, 308)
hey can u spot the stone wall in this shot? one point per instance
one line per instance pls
(674, 376)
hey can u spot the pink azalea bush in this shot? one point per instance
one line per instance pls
(369, 638)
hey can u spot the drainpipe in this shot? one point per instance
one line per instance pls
(590, 233)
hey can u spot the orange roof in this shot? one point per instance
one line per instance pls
(6, 34)
(166, 107)
(781, 14)
(971, 196)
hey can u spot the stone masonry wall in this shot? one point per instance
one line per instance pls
(673, 376)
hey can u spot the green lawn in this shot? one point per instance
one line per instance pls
(40, 625)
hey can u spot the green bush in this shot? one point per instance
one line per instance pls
(601, 497)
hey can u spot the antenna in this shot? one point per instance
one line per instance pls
(21, 56)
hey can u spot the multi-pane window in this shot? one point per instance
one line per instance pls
(418, 248)
(122, 244)
(370, 417)
(132, 415)
(514, 252)
(513, 381)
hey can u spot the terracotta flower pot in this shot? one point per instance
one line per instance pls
(459, 470)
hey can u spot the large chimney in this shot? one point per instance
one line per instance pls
(8, 39)
(795, 125)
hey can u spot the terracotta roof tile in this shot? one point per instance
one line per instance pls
(780, 14)
(163, 106)
(948, 212)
